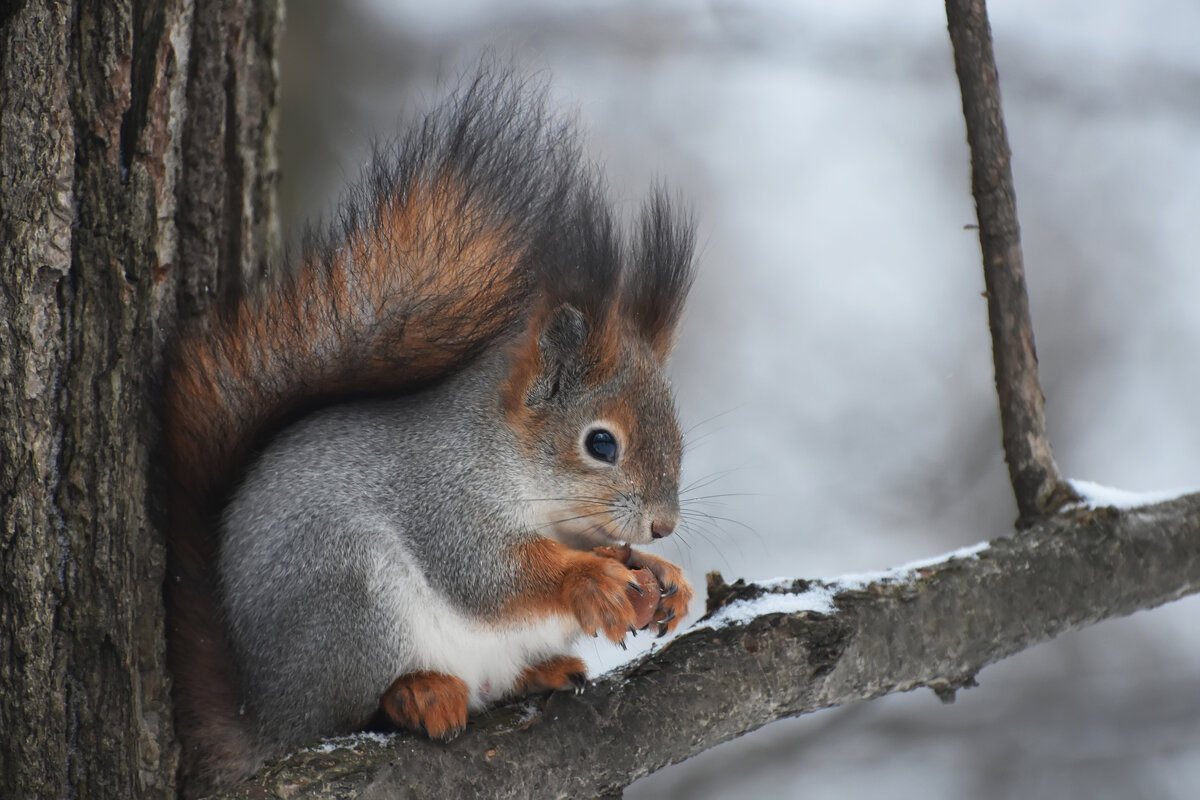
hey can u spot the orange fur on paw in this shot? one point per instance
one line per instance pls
(646, 595)
(676, 592)
(561, 672)
(595, 589)
(556, 579)
(432, 702)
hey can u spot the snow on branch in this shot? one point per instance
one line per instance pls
(779, 649)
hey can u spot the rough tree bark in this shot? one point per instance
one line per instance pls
(99, 187)
(136, 178)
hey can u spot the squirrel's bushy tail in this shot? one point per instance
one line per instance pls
(431, 259)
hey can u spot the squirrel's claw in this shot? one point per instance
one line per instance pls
(446, 736)
(561, 673)
(664, 624)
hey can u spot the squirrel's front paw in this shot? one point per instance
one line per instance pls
(433, 702)
(595, 590)
(676, 591)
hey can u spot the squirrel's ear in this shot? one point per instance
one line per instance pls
(561, 337)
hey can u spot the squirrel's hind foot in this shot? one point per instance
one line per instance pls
(555, 674)
(432, 702)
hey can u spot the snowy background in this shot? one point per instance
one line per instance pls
(835, 359)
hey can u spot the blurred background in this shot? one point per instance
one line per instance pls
(834, 368)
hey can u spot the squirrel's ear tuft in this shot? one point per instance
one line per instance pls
(580, 263)
(660, 272)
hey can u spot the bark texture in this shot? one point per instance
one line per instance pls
(228, 220)
(93, 105)
(1039, 488)
(936, 627)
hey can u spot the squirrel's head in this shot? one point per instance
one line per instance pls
(596, 417)
(586, 395)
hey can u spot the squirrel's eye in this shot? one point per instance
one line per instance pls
(601, 445)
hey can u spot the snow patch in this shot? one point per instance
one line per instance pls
(861, 580)
(818, 597)
(354, 741)
(1096, 496)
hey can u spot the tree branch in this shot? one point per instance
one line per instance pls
(716, 683)
(1039, 488)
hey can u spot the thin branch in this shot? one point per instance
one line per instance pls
(1036, 481)
(935, 626)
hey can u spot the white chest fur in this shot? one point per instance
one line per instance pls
(433, 635)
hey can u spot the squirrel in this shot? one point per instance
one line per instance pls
(405, 477)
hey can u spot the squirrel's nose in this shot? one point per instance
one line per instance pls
(662, 527)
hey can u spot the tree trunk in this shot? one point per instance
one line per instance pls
(110, 113)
